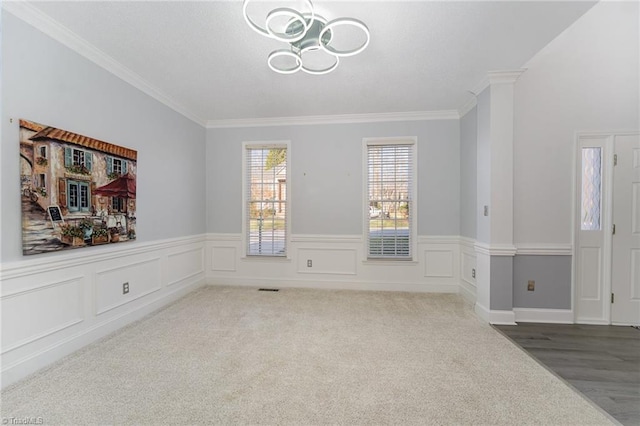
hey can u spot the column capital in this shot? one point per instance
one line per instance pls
(504, 77)
(498, 77)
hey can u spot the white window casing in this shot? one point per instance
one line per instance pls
(390, 198)
(266, 189)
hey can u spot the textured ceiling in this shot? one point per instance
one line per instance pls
(423, 56)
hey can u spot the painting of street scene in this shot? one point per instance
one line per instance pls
(76, 191)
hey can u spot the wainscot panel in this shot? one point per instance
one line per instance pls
(337, 262)
(223, 258)
(141, 278)
(55, 305)
(327, 261)
(438, 263)
(185, 264)
(28, 325)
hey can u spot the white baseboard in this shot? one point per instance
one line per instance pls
(37, 361)
(468, 291)
(332, 284)
(552, 316)
(495, 316)
(592, 321)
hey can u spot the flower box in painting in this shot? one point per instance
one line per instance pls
(72, 241)
(103, 239)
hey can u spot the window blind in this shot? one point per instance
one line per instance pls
(266, 203)
(389, 198)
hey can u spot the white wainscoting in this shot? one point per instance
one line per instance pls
(497, 317)
(468, 268)
(53, 305)
(332, 261)
(337, 262)
(558, 316)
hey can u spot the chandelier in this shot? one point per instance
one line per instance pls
(307, 34)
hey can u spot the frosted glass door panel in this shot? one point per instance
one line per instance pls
(591, 189)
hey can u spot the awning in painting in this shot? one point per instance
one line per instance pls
(122, 187)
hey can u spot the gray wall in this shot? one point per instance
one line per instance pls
(483, 182)
(501, 283)
(46, 82)
(468, 173)
(552, 275)
(326, 166)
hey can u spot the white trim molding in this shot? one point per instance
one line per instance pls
(548, 249)
(495, 249)
(468, 106)
(497, 77)
(504, 76)
(334, 119)
(551, 316)
(467, 242)
(468, 292)
(93, 255)
(495, 316)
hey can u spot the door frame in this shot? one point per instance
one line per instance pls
(606, 218)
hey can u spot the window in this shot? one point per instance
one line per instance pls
(390, 209)
(591, 189)
(118, 204)
(77, 196)
(41, 180)
(43, 151)
(78, 157)
(77, 160)
(266, 200)
(116, 167)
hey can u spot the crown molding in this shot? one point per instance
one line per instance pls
(467, 106)
(480, 87)
(504, 77)
(44, 23)
(497, 77)
(334, 119)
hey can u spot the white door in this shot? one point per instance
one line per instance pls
(592, 299)
(625, 264)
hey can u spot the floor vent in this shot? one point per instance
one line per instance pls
(268, 289)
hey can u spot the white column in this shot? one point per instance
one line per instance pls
(495, 197)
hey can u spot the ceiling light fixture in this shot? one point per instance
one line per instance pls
(307, 34)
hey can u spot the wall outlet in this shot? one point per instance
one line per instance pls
(486, 210)
(531, 285)
(309, 263)
(125, 288)
(473, 273)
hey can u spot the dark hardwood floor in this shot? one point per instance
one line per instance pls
(602, 362)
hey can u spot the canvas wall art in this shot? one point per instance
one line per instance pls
(76, 191)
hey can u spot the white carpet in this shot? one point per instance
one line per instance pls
(228, 355)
